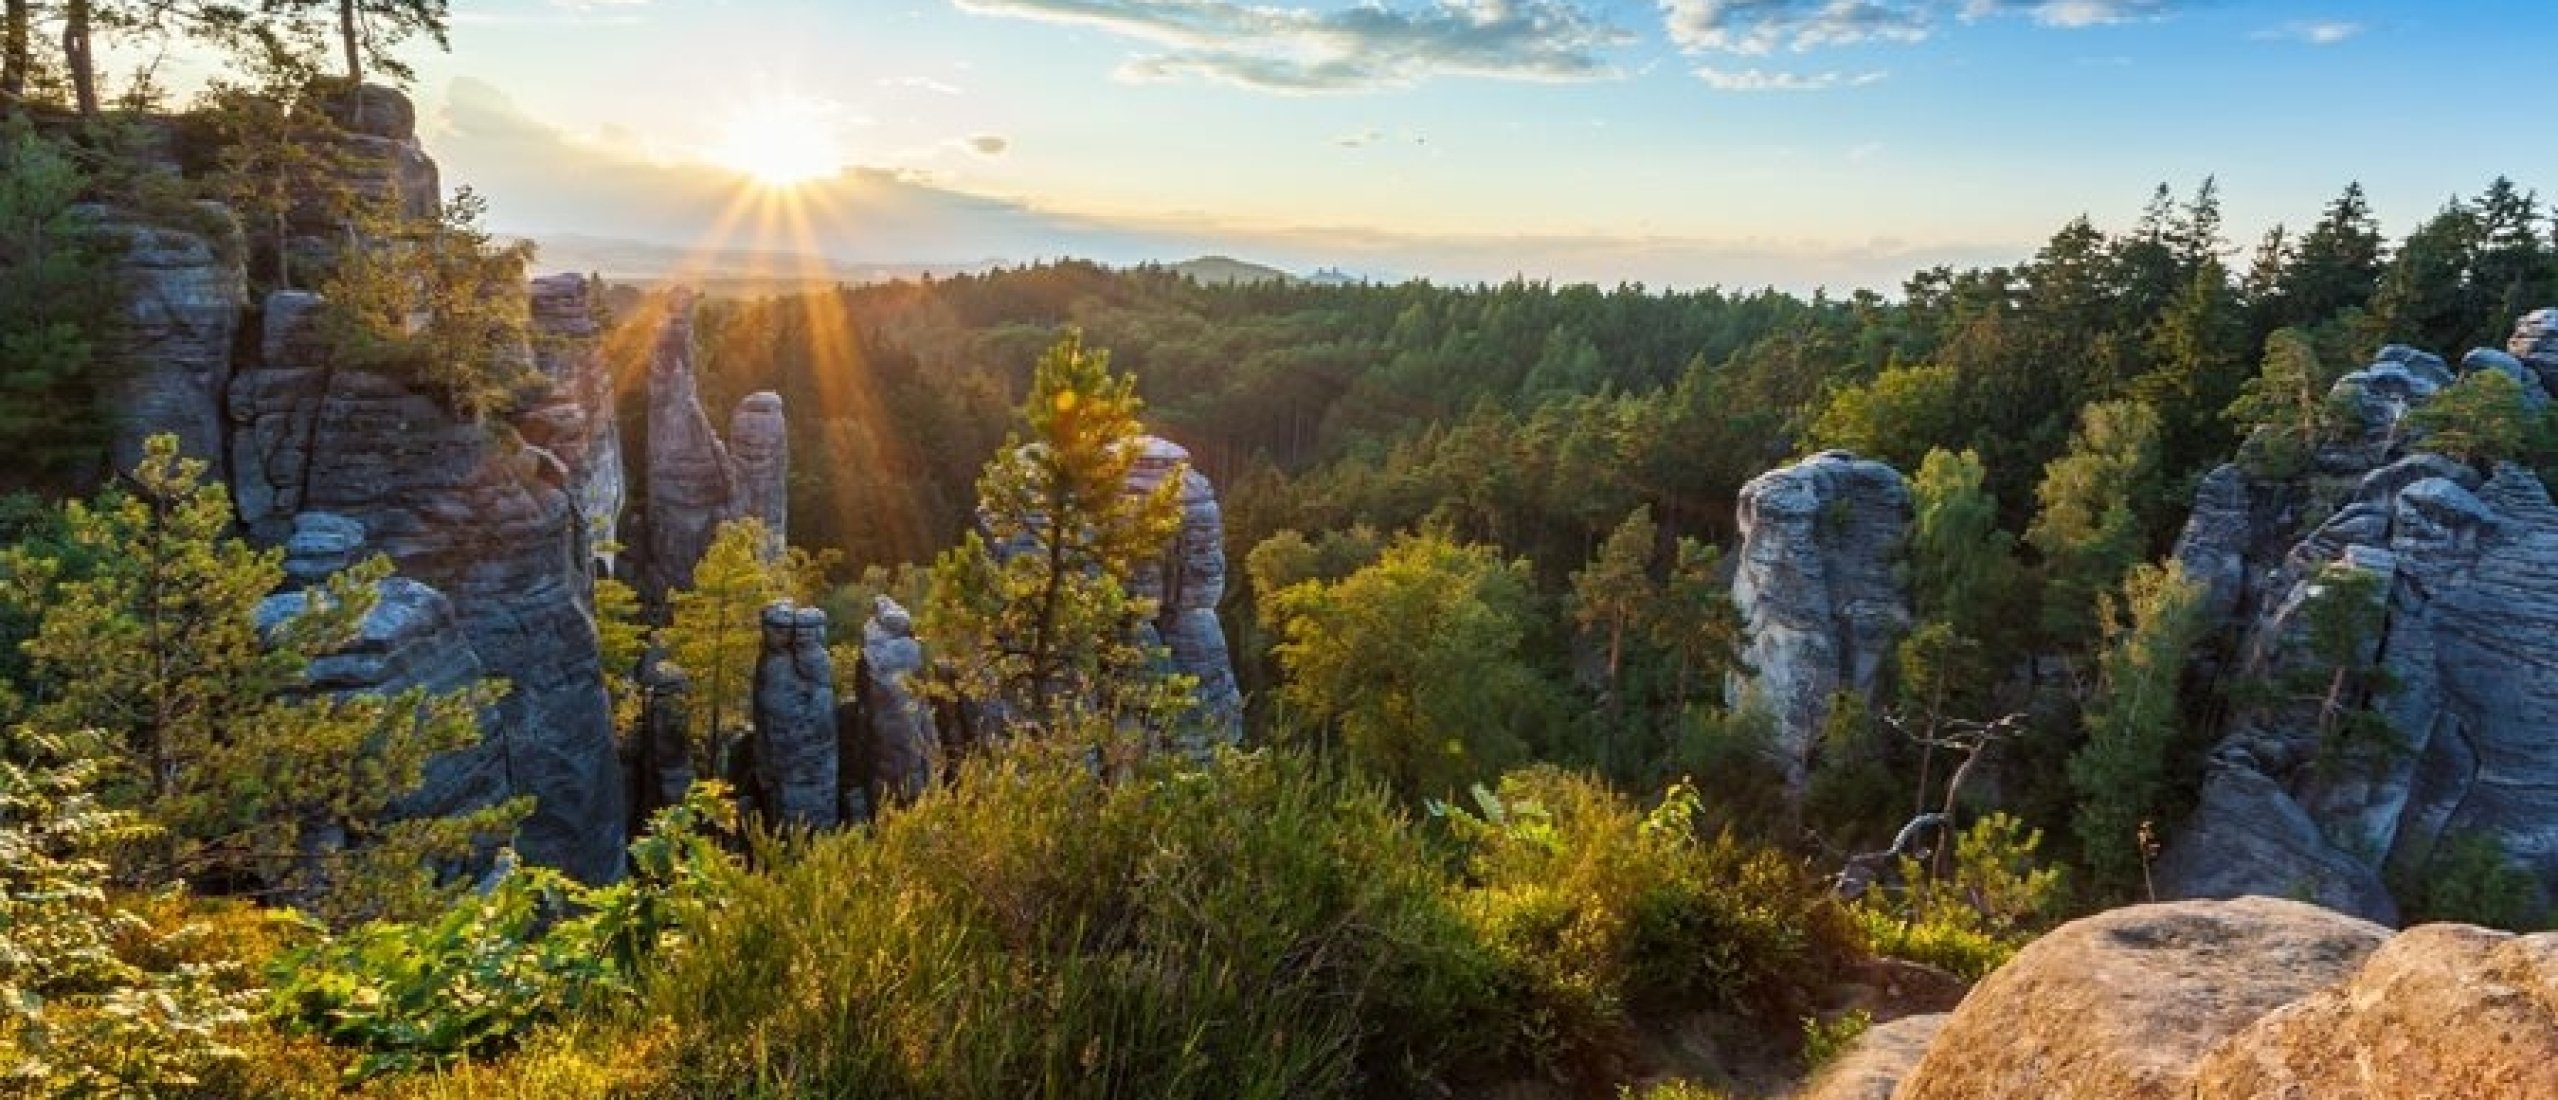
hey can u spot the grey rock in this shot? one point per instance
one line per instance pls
(896, 737)
(322, 543)
(796, 753)
(2535, 342)
(660, 761)
(2534, 395)
(2218, 532)
(759, 445)
(185, 290)
(2250, 836)
(573, 417)
(490, 525)
(1188, 586)
(1817, 592)
(692, 485)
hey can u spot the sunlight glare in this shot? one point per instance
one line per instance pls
(780, 143)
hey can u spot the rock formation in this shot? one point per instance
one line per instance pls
(2535, 342)
(2469, 641)
(760, 447)
(1187, 587)
(894, 737)
(574, 418)
(658, 758)
(1878, 1061)
(2443, 1010)
(1816, 591)
(696, 481)
(795, 748)
(2235, 1000)
(411, 637)
(2125, 1004)
(692, 487)
(492, 526)
(186, 289)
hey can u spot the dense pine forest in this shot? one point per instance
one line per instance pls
(405, 690)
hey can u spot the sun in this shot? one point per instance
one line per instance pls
(780, 142)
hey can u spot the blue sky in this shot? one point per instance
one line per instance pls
(1786, 142)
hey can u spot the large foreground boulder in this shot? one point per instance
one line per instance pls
(1878, 1061)
(2445, 1010)
(2123, 1005)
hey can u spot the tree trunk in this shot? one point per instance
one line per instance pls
(75, 56)
(353, 43)
(15, 57)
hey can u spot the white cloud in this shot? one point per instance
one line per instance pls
(2321, 32)
(1764, 80)
(1758, 27)
(921, 84)
(1293, 49)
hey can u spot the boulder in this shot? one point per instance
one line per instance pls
(2445, 1010)
(186, 288)
(895, 736)
(795, 750)
(1818, 592)
(2123, 1005)
(2535, 342)
(1874, 1065)
(489, 524)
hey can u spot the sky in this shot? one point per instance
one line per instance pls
(1794, 143)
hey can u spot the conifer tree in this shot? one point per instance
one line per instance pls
(148, 630)
(2121, 773)
(2283, 410)
(1613, 596)
(715, 633)
(2089, 528)
(1032, 615)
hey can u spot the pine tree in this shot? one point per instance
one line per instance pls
(715, 632)
(2283, 410)
(1616, 592)
(59, 300)
(148, 630)
(2089, 529)
(2480, 419)
(2121, 773)
(1033, 615)
(440, 301)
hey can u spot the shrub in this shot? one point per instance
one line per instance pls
(1825, 1040)
(1257, 928)
(2470, 879)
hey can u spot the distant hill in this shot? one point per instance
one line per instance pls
(732, 271)
(1227, 271)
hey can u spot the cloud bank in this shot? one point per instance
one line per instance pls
(1759, 27)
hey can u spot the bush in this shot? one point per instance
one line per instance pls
(1593, 909)
(1259, 928)
(2471, 880)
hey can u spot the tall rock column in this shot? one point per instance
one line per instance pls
(574, 420)
(691, 486)
(1816, 590)
(895, 739)
(185, 291)
(759, 448)
(797, 762)
(1188, 584)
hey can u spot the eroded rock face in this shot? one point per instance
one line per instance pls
(490, 525)
(2535, 342)
(2440, 1011)
(658, 759)
(185, 290)
(573, 418)
(796, 754)
(760, 446)
(692, 486)
(1187, 587)
(2123, 1005)
(1816, 591)
(2469, 638)
(896, 737)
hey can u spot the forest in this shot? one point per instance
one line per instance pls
(1495, 819)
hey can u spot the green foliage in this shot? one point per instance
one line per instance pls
(59, 305)
(2480, 419)
(2122, 774)
(1036, 616)
(92, 1003)
(2470, 879)
(1254, 928)
(1900, 416)
(715, 632)
(2284, 411)
(534, 947)
(1594, 909)
(1415, 663)
(2342, 675)
(1616, 593)
(1825, 1040)
(2091, 525)
(147, 629)
(439, 302)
